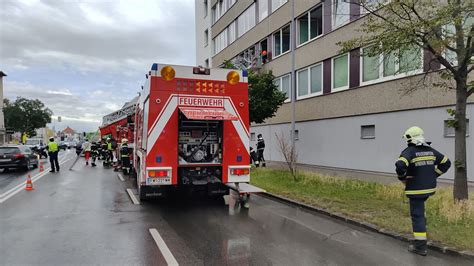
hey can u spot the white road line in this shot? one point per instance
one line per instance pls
(33, 179)
(132, 197)
(12, 192)
(120, 177)
(165, 251)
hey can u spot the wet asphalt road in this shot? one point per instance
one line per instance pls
(13, 177)
(85, 217)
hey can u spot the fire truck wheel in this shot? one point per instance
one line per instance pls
(141, 194)
(133, 173)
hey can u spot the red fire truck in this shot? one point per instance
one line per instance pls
(192, 130)
(120, 124)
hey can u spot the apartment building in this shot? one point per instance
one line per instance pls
(203, 38)
(351, 110)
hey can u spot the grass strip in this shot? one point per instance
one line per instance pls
(383, 205)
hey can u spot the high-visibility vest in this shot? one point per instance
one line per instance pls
(52, 146)
(109, 146)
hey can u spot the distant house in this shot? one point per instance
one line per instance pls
(68, 133)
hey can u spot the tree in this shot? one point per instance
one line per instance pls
(442, 28)
(25, 115)
(264, 96)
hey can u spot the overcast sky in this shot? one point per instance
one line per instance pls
(86, 58)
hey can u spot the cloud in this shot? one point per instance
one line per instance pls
(69, 105)
(97, 36)
(85, 58)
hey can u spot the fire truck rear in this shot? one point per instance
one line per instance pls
(192, 130)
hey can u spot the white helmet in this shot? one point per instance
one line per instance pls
(124, 140)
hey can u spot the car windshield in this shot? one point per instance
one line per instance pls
(32, 142)
(6, 150)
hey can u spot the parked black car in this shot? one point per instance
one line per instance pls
(17, 156)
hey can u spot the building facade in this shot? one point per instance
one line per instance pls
(203, 28)
(351, 110)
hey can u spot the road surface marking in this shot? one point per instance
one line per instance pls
(165, 251)
(33, 179)
(132, 197)
(120, 177)
(12, 192)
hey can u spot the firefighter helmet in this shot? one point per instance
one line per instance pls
(414, 133)
(124, 140)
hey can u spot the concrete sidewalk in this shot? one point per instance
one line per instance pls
(369, 176)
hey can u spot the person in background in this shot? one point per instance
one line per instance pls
(86, 147)
(94, 152)
(53, 149)
(418, 167)
(260, 150)
(125, 156)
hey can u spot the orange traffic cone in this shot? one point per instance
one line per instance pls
(41, 167)
(29, 184)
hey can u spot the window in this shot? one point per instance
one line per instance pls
(263, 52)
(206, 37)
(281, 41)
(220, 8)
(246, 20)
(367, 132)
(277, 3)
(310, 81)
(214, 14)
(232, 32)
(262, 9)
(283, 84)
(205, 8)
(316, 82)
(310, 25)
(340, 12)
(207, 63)
(370, 66)
(378, 68)
(340, 72)
(220, 42)
(449, 131)
(252, 136)
(303, 82)
(449, 32)
(297, 134)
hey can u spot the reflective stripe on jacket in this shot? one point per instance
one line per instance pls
(419, 166)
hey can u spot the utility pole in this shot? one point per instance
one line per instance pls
(293, 78)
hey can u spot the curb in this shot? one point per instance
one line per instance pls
(368, 226)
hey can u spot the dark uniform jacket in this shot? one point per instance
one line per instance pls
(419, 166)
(124, 151)
(260, 144)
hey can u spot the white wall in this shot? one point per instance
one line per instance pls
(338, 143)
(202, 23)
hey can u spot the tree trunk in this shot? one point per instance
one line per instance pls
(460, 191)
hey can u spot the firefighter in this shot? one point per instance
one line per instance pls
(125, 156)
(103, 149)
(108, 152)
(260, 149)
(418, 167)
(53, 149)
(94, 152)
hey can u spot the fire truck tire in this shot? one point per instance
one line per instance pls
(141, 194)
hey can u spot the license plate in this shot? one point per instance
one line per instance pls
(158, 181)
(5, 160)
